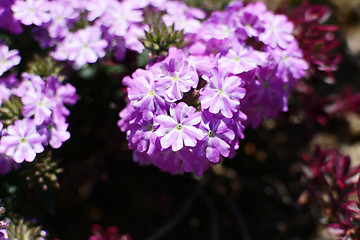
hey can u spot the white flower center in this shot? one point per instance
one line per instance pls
(175, 78)
(221, 92)
(211, 133)
(179, 126)
(152, 93)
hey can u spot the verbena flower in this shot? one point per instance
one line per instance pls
(8, 59)
(22, 141)
(85, 46)
(31, 11)
(119, 16)
(178, 129)
(176, 78)
(144, 94)
(217, 136)
(278, 31)
(222, 93)
(37, 104)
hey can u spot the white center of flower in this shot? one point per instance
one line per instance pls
(152, 93)
(23, 140)
(179, 126)
(237, 58)
(220, 92)
(211, 133)
(175, 78)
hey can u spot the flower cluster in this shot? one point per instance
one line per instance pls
(317, 39)
(33, 113)
(82, 32)
(188, 110)
(330, 179)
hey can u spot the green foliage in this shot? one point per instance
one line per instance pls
(43, 172)
(208, 5)
(24, 231)
(11, 110)
(160, 38)
(45, 67)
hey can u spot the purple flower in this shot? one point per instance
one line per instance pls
(119, 16)
(7, 85)
(222, 93)
(182, 16)
(7, 20)
(265, 96)
(241, 59)
(291, 65)
(56, 132)
(8, 58)
(85, 46)
(37, 104)
(217, 136)
(31, 11)
(140, 136)
(278, 31)
(143, 94)
(168, 161)
(22, 141)
(6, 164)
(177, 77)
(251, 24)
(179, 129)
(60, 14)
(62, 94)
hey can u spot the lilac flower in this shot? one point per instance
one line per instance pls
(60, 15)
(8, 59)
(96, 8)
(7, 84)
(168, 161)
(251, 24)
(133, 35)
(144, 94)
(222, 93)
(86, 46)
(141, 138)
(22, 141)
(265, 96)
(119, 16)
(31, 11)
(56, 133)
(194, 162)
(217, 136)
(241, 59)
(30, 82)
(177, 78)
(291, 65)
(278, 31)
(62, 94)
(182, 16)
(179, 129)
(37, 104)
